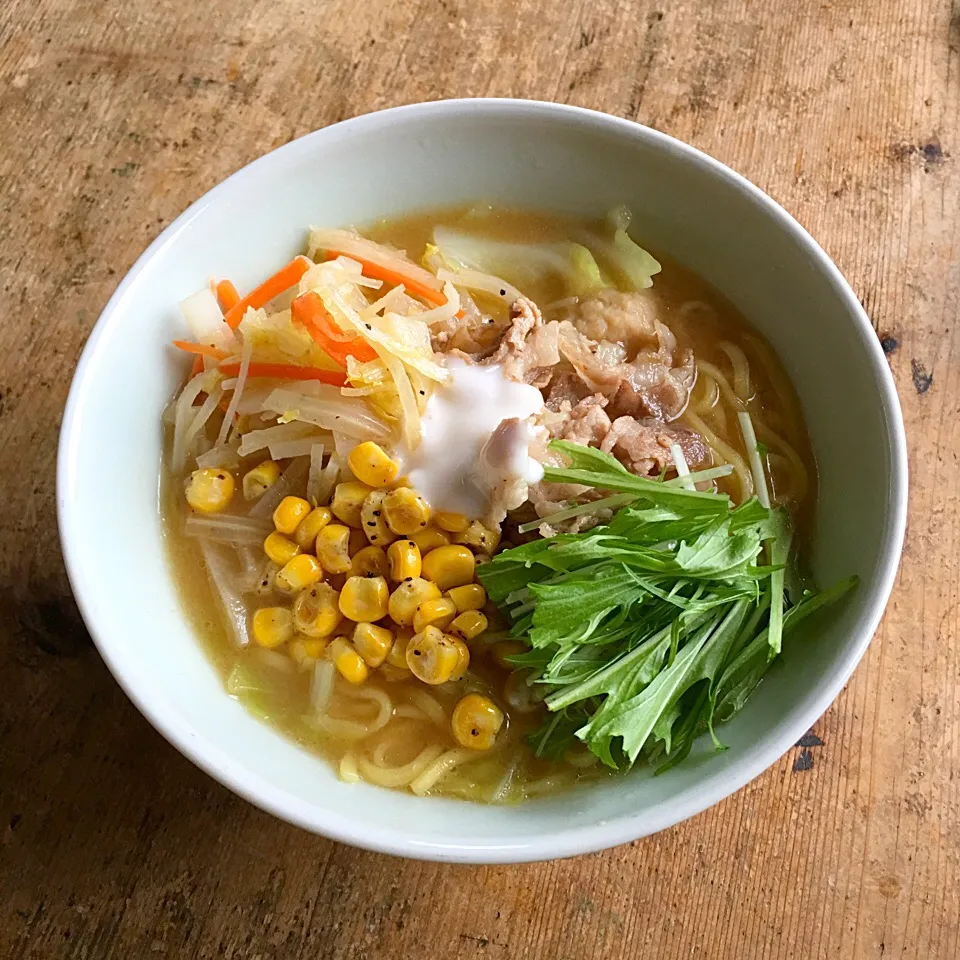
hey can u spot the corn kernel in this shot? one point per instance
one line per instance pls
(333, 548)
(404, 559)
(279, 548)
(432, 656)
(406, 511)
(210, 490)
(301, 572)
(369, 560)
(372, 642)
(450, 566)
(471, 596)
(408, 596)
(476, 721)
(347, 501)
(429, 538)
(374, 522)
(348, 662)
(397, 656)
(289, 513)
(316, 611)
(463, 661)
(438, 613)
(479, 537)
(469, 624)
(304, 650)
(272, 626)
(454, 522)
(310, 526)
(364, 599)
(371, 465)
(260, 478)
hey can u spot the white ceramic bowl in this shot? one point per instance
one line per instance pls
(428, 156)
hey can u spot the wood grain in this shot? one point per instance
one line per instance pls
(117, 115)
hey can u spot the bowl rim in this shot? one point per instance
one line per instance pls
(564, 842)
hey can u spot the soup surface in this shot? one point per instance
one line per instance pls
(381, 722)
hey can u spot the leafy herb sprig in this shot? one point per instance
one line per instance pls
(647, 631)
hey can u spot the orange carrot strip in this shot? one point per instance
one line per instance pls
(376, 272)
(197, 366)
(286, 371)
(227, 295)
(201, 349)
(309, 310)
(270, 288)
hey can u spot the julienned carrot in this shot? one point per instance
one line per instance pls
(286, 371)
(197, 366)
(377, 272)
(272, 287)
(201, 349)
(309, 310)
(227, 295)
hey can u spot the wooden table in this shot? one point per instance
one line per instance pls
(118, 113)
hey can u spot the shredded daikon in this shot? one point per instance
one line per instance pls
(233, 609)
(444, 312)
(485, 282)
(328, 479)
(329, 409)
(313, 477)
(395, 300)
(290, 480)
(255, 440)
(185, 416)
(206, 411)
(285, 449)
(231, 413)
(226, 528)
(321, 685)
(220, 456)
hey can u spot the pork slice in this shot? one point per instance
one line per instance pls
(643, 446)
(653, 383)
(529, 348)
(627, 318)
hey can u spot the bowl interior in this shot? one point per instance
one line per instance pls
(531, 155)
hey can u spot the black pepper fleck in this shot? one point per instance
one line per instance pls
(503, 293)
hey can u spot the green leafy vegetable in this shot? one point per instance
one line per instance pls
(646, 631)
(523, 264)
(606, 257)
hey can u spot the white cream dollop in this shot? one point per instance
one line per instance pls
(475, 442)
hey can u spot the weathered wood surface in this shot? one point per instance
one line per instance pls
(116, 115)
